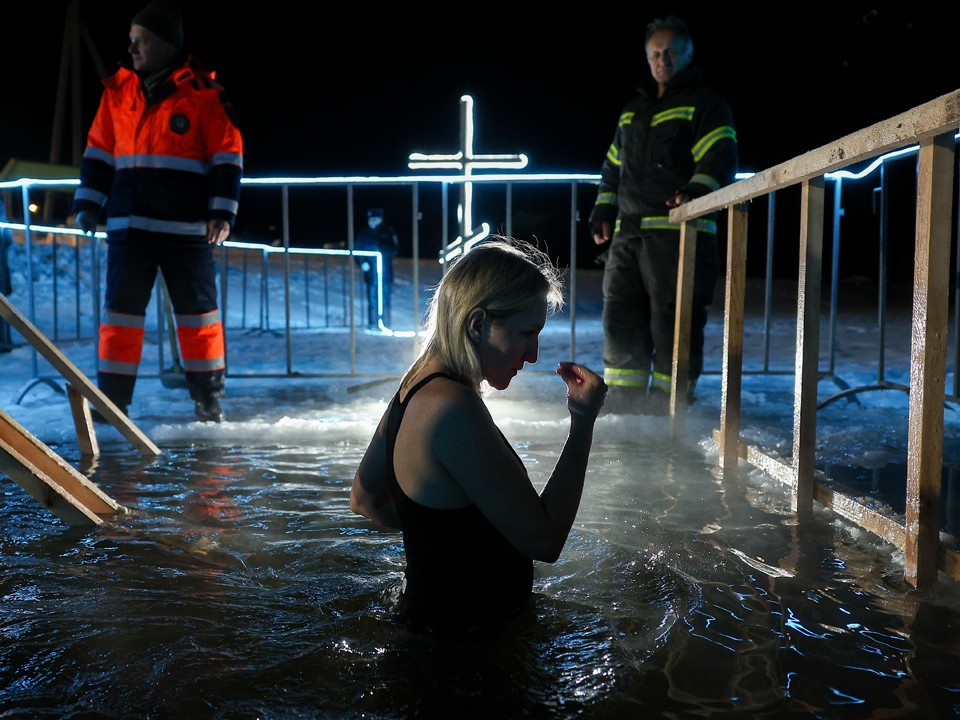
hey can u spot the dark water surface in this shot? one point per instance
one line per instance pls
(241, 586)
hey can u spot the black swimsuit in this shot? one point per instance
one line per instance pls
(462, 576)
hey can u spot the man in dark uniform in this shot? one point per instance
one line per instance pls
(669, 148)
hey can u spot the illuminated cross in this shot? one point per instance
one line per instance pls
(466, 161)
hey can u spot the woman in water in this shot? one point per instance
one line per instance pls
(439, 469)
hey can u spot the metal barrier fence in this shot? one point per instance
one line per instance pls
(291, 267)
(290, 264)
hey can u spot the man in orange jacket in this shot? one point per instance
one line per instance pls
(164, 159)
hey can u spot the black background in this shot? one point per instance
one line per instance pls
(354, 91)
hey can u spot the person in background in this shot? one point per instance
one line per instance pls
(669, 147)
(380, 237)
(439, 469)
(164, 158)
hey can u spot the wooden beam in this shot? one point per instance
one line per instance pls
(680, 368)
(933, 118)
(808, 343)
(732, 370)
(77, 379)
(928, 363)
(51, 480)
(83, 422)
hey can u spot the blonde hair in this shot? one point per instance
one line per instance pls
(501, 276)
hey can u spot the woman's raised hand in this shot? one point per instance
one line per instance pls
(586, 390)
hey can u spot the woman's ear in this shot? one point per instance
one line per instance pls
(475, 324)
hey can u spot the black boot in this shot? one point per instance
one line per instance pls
(208, 410)
(119, 388)
(206, 389)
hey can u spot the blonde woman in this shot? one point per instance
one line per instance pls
(439, 469)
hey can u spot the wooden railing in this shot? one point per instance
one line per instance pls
(933, 127)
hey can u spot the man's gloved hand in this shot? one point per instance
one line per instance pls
(602, 220)
(87, 221)
(602, 231)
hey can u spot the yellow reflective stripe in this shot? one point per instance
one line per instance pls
(625, 119)
(724, 132)
(613, 155)
(707, 180)
(607, 198)
(663, 223)
(662, 381)
(626, 377)
(677, 113)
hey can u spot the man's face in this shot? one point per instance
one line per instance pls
(666, 55)
(149, 52)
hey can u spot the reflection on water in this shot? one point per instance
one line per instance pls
(241, 585)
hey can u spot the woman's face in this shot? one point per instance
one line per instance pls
(507, 343)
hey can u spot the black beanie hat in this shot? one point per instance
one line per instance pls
(163, 19)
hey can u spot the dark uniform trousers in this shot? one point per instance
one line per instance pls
(640, 300)
(189, 272)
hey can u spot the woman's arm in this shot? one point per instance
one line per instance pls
(470, 448)
(370, 494)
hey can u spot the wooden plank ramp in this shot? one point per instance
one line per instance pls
(35, 467)
(80, 383)
(50, 480)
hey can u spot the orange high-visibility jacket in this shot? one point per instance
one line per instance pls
(162, 168)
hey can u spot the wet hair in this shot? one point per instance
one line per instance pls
(679, 29)
(501, 276)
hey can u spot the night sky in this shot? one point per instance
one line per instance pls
(357, 94)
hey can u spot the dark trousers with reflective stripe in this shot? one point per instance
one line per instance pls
(640, 301)
(190, 273)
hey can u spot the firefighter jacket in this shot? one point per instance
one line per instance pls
(684, 141)
(164, 165)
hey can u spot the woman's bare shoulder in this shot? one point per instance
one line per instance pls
(446, 403)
